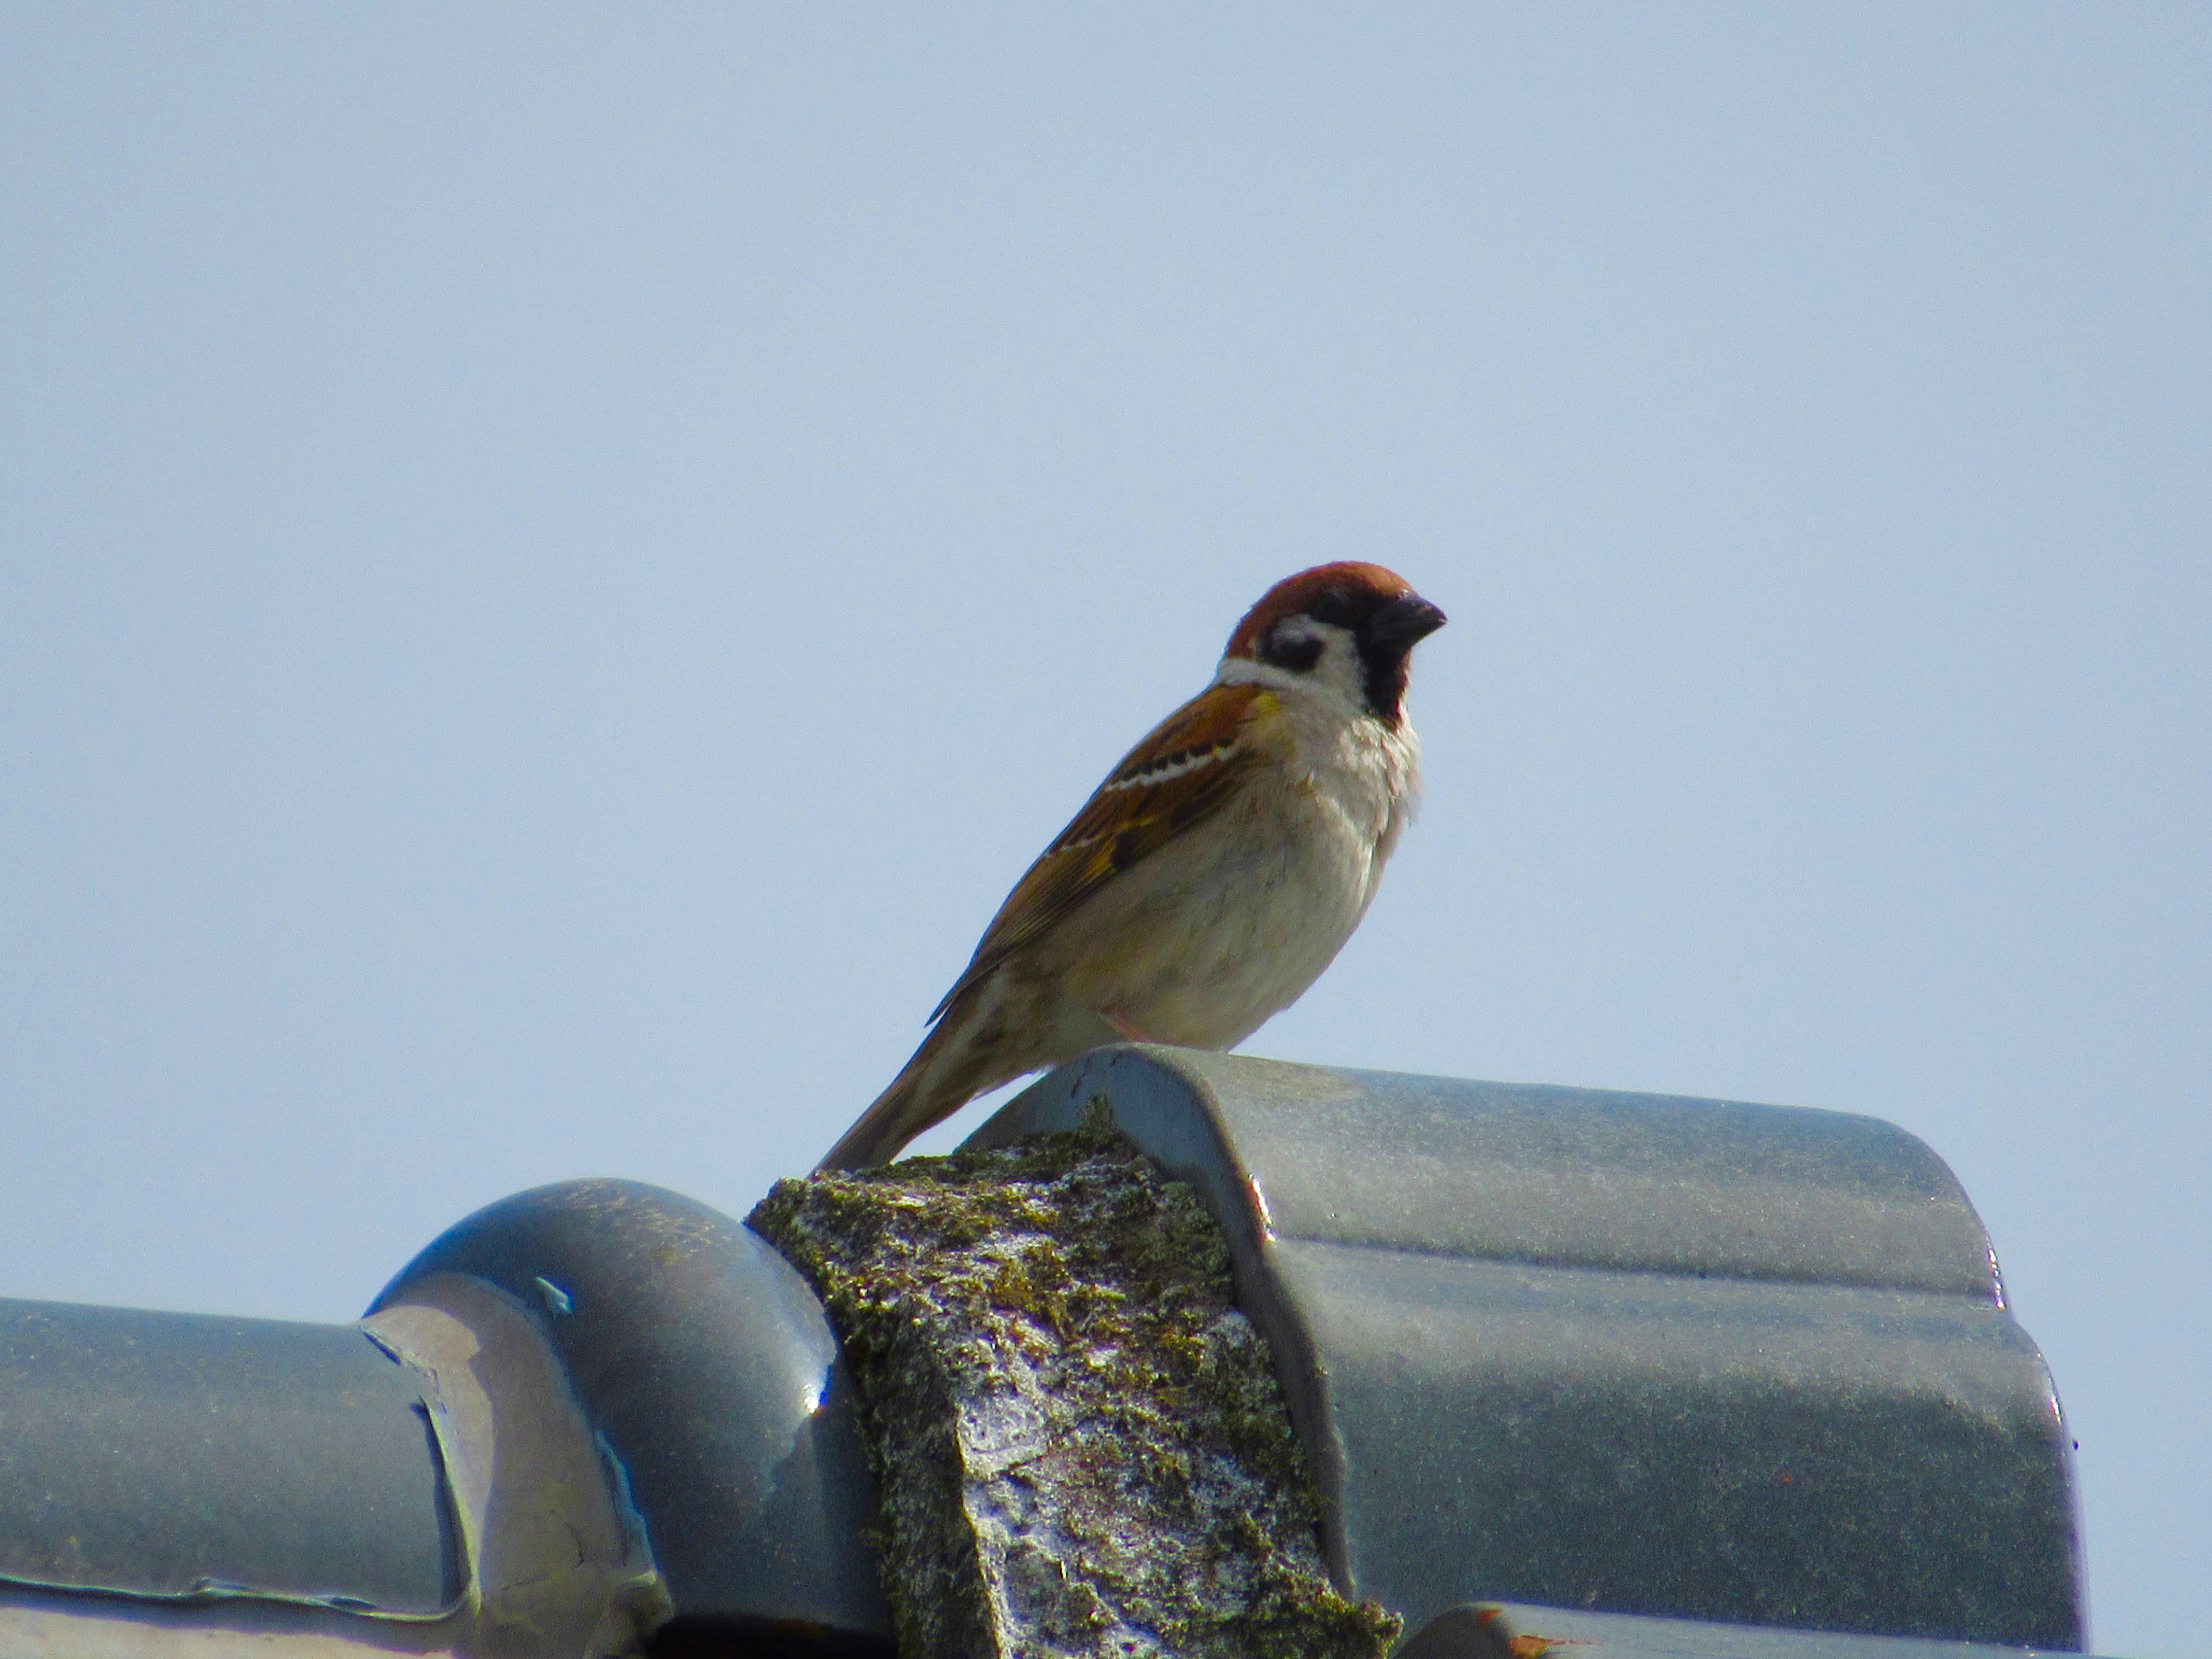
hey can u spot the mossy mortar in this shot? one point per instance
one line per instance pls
(1080, 1442)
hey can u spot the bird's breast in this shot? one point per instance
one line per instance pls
(1202, 943)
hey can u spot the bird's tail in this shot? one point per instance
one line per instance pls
(948, 1071)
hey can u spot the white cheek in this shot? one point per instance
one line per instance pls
(1341, 670)
(1338, 673)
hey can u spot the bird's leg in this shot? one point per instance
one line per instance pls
(1129, 1028)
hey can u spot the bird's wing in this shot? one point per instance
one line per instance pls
(1174, 780)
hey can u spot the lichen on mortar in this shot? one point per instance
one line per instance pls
(1079, 1440)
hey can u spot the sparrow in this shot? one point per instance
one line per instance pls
(1211, 877)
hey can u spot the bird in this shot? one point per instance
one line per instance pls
(1211, 877)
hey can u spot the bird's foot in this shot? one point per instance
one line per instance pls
(1131, 1032)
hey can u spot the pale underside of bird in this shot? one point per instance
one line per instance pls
(1211, 877)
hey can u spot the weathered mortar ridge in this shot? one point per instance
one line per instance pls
(1079, 1440)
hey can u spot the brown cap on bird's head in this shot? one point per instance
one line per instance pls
(1378, 607)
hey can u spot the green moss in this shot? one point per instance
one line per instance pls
(1080, 1442)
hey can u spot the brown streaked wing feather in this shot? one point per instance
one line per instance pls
(1197, 752)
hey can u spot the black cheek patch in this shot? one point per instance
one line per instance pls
(1298, 656)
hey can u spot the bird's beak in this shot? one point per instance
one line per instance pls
(1404, 622)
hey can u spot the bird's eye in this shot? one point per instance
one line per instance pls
(1297, 651)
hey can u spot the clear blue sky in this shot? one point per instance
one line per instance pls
(555, 564)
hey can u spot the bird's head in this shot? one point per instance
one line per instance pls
(1347, 627)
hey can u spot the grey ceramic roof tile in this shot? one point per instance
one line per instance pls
(1645, 1354)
